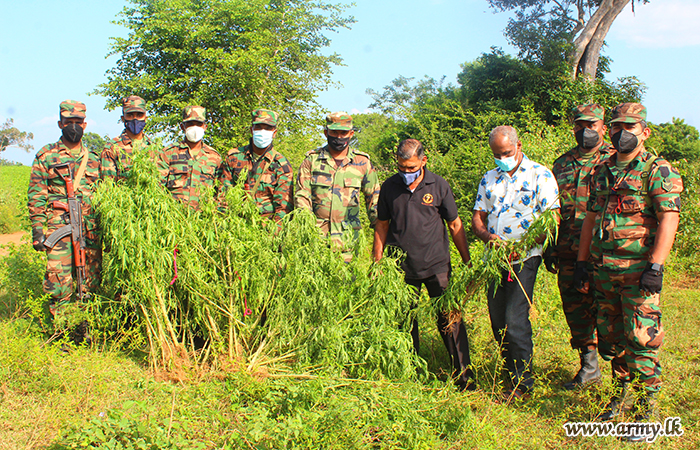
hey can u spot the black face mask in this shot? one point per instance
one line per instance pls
(72, 133)
(135, 126)
(587, 138)
(338, 144)
(624, 141)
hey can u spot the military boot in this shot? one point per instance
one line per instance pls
(645, 410)
(589, 371)
(619, 403)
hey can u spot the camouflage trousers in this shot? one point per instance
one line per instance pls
(59, 276)
(629, 325)
(580, 309)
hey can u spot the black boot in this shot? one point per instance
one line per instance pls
(619, 403)
(644, 411)
(589, 371)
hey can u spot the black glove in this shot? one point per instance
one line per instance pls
(38, 239)
(551, 262)
(652, 279)
(580, 274)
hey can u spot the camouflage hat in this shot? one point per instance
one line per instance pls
(629, 113)
(194, 113)
(266, 116)
(339, 121)
(591, 112)
(72, 108)
(133, 103)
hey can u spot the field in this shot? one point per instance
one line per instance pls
(14, 181)
(100, 395)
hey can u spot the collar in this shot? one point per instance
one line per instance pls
(637, 163)
(525, 164)
(326, 154)
(252, 156)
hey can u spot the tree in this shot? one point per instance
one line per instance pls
(574, 29)
(94, 141)
(676, 140)
(230, 56)
(11, 136)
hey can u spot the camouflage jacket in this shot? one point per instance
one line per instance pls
(185, 175)
(271, 171)
(47, 186)
(627, 207)
(116, 156)
(573, 176)
(332, 192)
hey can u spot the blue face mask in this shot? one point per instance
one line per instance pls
(507, 164)
(410, 177)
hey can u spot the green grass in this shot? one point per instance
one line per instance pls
(14, 181)
(50, 399)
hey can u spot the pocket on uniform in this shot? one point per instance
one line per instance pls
(351, 191)
(648, 331)
(178, 176)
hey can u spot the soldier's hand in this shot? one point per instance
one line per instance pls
(551, 262)
(38, 239)
(581, 277)
(651, 280)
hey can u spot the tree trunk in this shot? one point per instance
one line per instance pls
(588, 44)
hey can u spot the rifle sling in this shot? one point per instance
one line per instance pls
(83, 165)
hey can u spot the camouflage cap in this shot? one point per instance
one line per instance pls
(591, 112)
(72, 108)
(339, 121)
(194, 114)
(266, 116)
(629, 113)
(133, 103)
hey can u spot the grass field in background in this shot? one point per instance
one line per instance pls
(14, 181)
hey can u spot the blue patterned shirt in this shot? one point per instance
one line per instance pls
(514, 202)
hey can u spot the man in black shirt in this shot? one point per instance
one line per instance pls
(412, 207)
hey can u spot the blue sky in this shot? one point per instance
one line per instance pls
(52, 50)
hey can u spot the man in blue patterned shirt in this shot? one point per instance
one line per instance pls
(509, 199)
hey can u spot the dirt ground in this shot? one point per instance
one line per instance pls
(12, 238)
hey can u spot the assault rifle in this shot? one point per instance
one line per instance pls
(75, 228)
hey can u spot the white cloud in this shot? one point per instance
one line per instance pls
(44, 121)
(659, 24)
(357, 111)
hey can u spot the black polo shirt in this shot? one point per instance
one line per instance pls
(416, 222)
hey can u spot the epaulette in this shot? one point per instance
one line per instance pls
(366, 155)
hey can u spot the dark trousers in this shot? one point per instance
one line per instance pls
(509, 310)
(454, 335)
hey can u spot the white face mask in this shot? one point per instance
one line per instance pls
(194, 134)
(262, 138)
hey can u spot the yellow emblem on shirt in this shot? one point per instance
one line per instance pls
(428, 199)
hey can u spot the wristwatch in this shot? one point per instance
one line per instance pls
(656, 267)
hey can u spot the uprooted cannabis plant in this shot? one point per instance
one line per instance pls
(221, 288)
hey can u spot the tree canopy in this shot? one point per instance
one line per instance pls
(230, 56)
(11, 136)
(574, 31)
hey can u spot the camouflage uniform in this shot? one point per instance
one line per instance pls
(331, 190)
(116, 156)
(186, 173)
(271, 172)
(629, 322)
(47, 186)
(573, 175)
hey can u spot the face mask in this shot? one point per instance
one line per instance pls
(338, 144)
(72, 133)
(135, 126)
(410, 177)
(587, 138)
(262, 138)
(624, 141)
(507, 164)
(194, 133)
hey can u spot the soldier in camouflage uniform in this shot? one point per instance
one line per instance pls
(631, 221)
(330, 181)
(190, 167)
(269, 179)
(46, 185)
(117, 154)
(572, 171)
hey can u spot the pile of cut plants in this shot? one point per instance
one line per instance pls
(223, 288)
